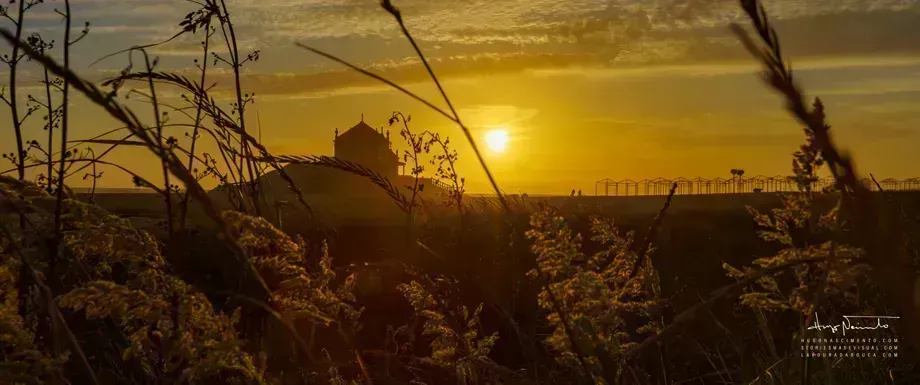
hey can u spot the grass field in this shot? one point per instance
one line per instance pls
(698, 236)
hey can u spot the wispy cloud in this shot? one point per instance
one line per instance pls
(493, 36)
(604, 32)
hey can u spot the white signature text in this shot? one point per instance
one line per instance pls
(854, 322)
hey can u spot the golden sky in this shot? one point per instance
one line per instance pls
(586, 89)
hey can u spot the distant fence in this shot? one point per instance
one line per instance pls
(442, 185)
(702, 186)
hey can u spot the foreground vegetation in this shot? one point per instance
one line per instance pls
(470, 292)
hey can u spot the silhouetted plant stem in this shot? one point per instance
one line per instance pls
(246, 156)
(689, 314)
(415, 143)
(49, 107)
(564, 317)
(92, 191)
(198, 115)
(131, 121)
(381, 181)
(451, 116)
(20, 157)
(62, 166)
(227, 126)
(363, 367)
(449, 157)
(378, 77)
(167, 196)
(649, 239)
(389, 7)
(891, 267)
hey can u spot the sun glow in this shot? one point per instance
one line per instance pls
(497, 140)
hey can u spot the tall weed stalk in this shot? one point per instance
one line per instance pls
(891, 267)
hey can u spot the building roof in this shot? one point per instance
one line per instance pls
(358, 128)
(363, 134)
(363, 137)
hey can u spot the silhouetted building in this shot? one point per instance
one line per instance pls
(343, 196)
(368, 147)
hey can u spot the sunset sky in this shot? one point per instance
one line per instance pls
(586, 89)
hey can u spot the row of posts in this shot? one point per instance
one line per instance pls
(699, 186)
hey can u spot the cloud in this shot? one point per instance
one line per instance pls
(477, 37)
(404, 73)
(628, 33)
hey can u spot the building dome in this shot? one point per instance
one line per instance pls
(368, 147)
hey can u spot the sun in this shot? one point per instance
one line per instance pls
(497, 140)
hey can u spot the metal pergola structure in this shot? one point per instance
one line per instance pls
(739, 184)
(624, 187)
